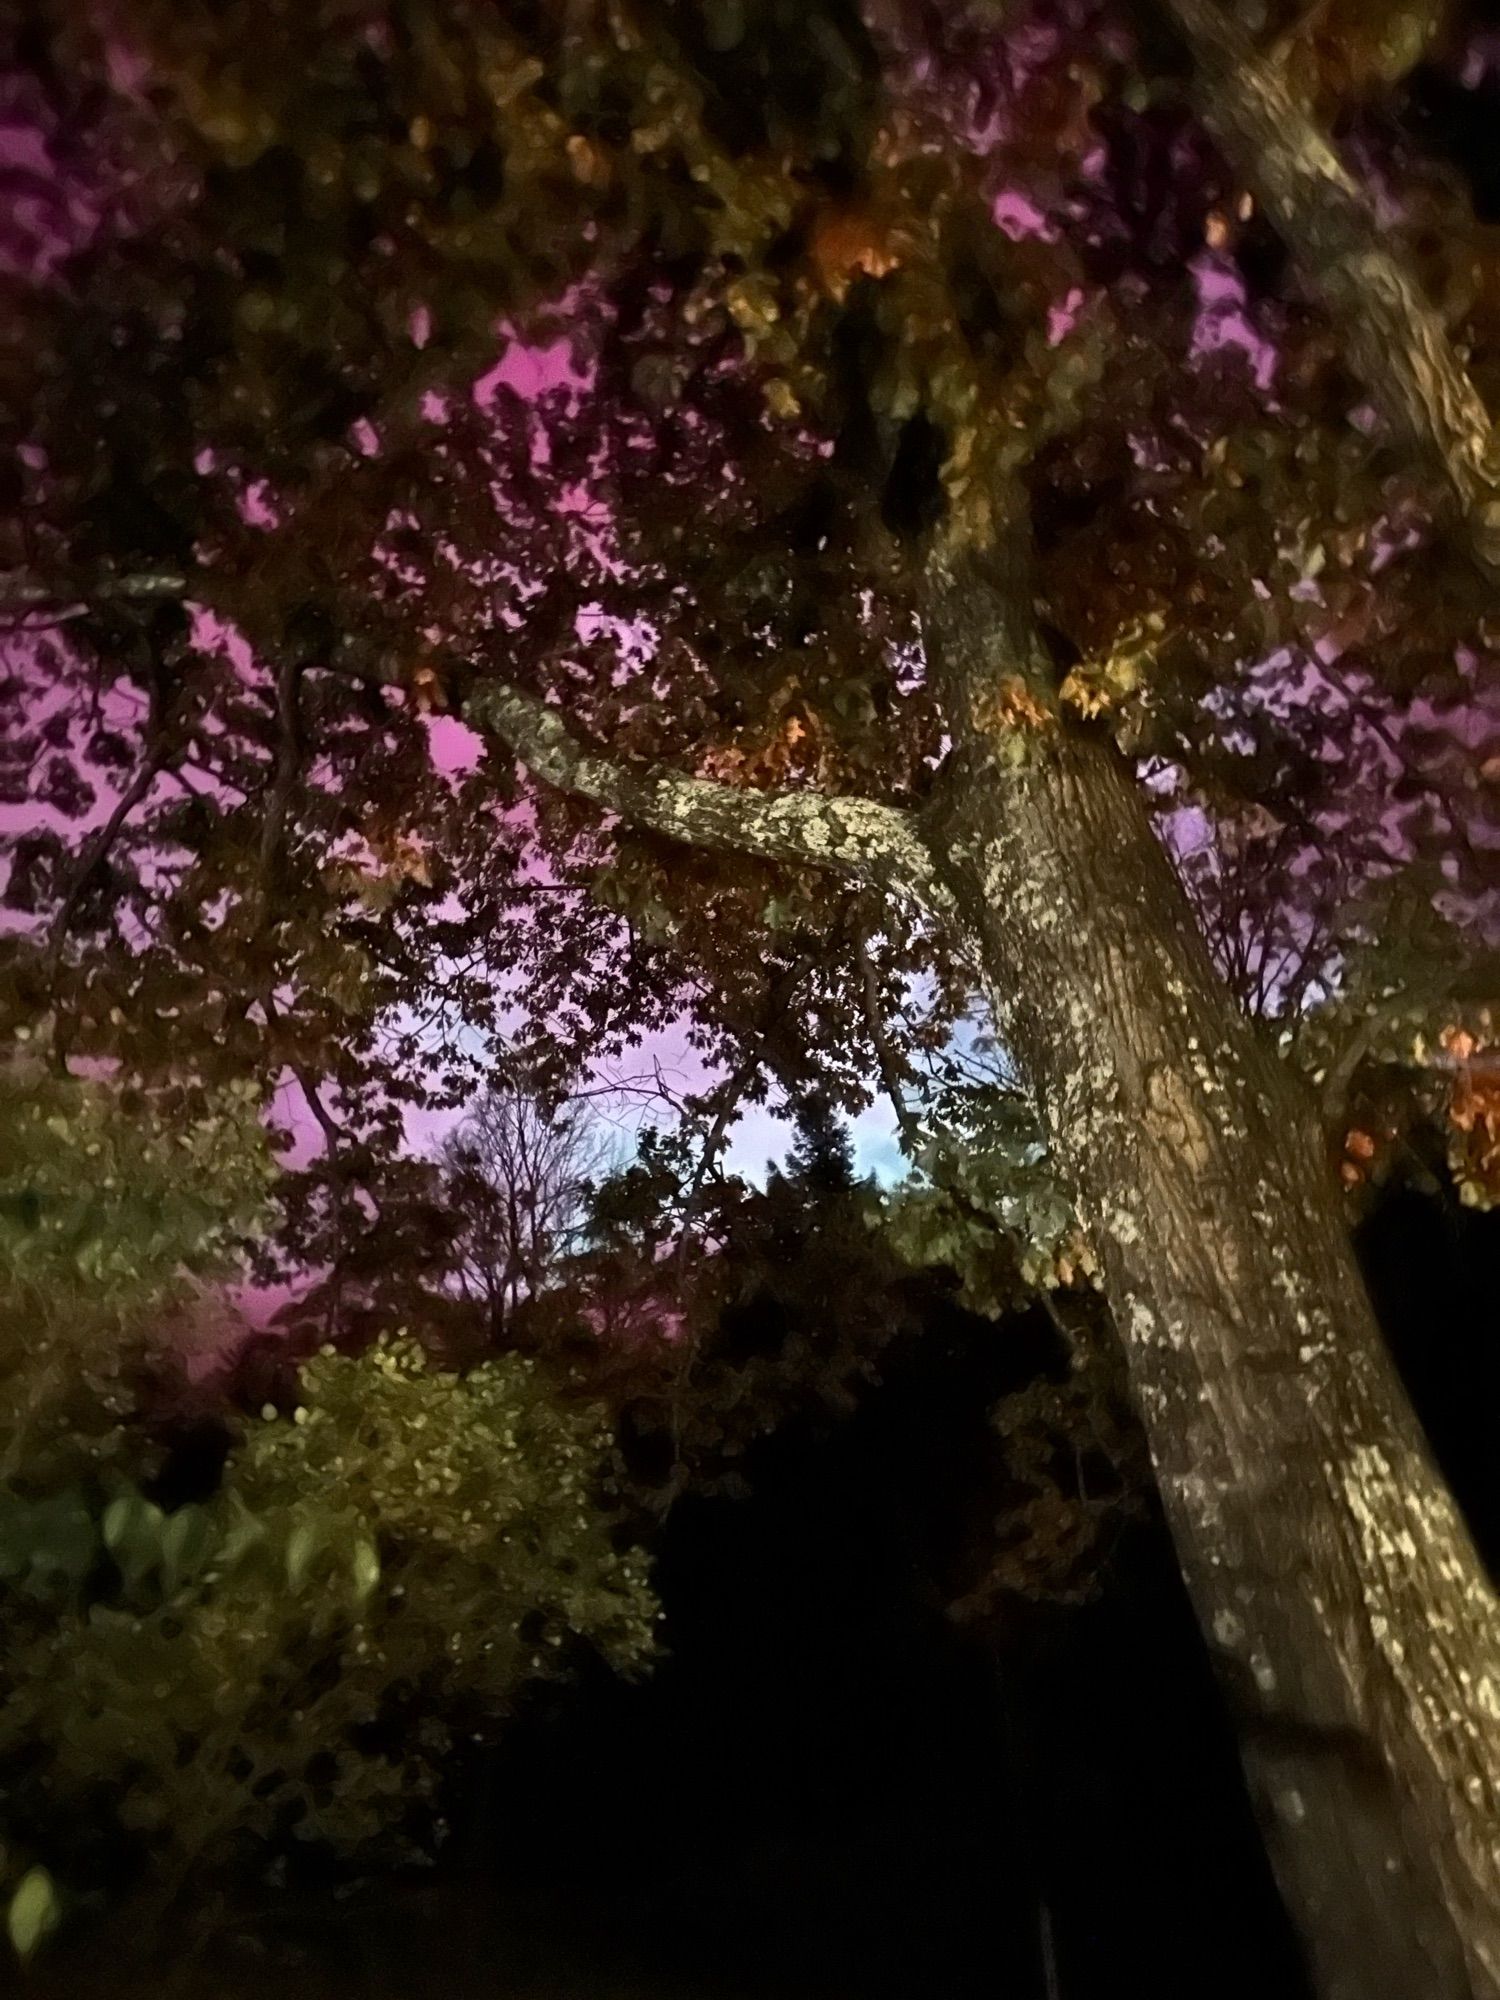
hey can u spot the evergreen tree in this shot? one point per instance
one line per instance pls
(821, 1157)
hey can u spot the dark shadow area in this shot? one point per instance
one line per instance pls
(1432, 1268)
(832, 1787)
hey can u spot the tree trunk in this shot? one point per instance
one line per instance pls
(1355, 1632)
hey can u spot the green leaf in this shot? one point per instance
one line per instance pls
(133, 1535)
(33, 1913)
(302, 1546)
(366, 1567)
(187, 1542)
(241, 1534)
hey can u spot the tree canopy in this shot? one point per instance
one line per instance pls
(845, 529)
(294, 540)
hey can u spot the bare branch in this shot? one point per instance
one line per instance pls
(895, 1073)
(726, 1101)
(1397, 342)
(333, 1137)
(859, 838)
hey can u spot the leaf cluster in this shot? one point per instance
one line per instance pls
(287, 1654)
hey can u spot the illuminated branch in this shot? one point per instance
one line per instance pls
(1397, 342)
(858, 838)
(870, 843)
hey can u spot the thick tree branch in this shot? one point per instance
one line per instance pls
(873, 844)
(858, 838)
(1397, 342)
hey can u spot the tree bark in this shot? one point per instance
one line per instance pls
(1354, 1630)
(1395, 338)
(1352, 1624)
(859, 838)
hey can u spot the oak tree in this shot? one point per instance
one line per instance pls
(934, 452)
